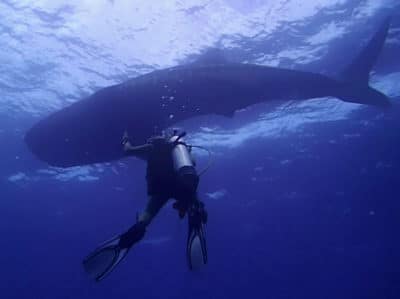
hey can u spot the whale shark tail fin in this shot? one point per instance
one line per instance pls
(356, 75)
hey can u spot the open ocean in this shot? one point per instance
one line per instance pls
(303, 197)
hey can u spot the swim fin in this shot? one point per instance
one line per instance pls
(196, 247)
(108, 255)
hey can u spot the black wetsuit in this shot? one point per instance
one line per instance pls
(162, 180)
(160, 176)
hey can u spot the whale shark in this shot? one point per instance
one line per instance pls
(89, 131)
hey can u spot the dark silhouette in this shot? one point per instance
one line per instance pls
(170, 174)
(76, 135)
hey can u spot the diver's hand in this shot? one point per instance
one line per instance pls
(180, 208)
(125, 141)
(125, 137)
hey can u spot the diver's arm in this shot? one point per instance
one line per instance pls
(140, 151)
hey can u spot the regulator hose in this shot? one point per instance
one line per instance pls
(210, 158)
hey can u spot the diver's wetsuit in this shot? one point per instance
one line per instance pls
(161, 178)
(163, 182)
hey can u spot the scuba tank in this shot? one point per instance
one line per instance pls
(188, 178)
(183, 163)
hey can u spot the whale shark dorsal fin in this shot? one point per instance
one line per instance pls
(211, 56)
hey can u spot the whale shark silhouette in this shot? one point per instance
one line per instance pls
(90, 130)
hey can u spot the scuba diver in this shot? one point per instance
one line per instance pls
(171, 173)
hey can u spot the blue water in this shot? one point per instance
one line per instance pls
(303, 199)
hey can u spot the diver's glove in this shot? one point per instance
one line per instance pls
(125, 138)
(181, 208)
(196, 247)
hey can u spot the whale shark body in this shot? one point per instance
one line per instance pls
(90, 130)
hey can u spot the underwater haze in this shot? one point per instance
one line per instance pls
(303, 197)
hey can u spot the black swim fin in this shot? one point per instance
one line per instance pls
(196, 247)
(108, 255)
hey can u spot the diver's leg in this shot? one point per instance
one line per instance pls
(196, 241)
(105, 258)
(154, 205)
(137, 231)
